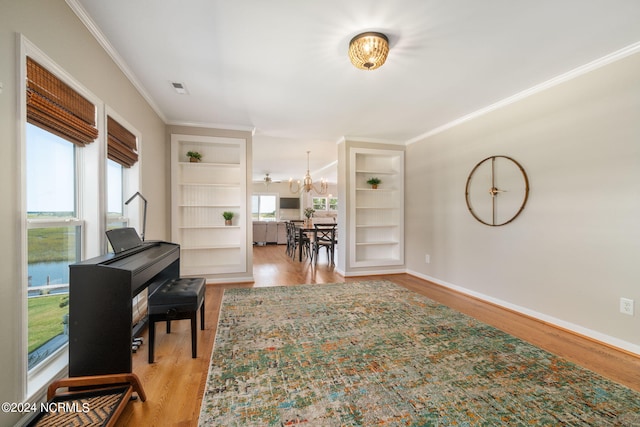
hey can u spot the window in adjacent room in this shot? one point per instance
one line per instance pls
(263, 207)
(325, 203)
(319, 203)
(333, 203)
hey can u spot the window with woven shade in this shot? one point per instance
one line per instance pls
(122, 145)
(55, 107)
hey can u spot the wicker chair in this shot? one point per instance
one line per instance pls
(92, 400)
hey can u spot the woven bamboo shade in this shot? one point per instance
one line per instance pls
(55, 107)
(369, 51)
(122, 144)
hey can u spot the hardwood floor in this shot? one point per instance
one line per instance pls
(174, 384)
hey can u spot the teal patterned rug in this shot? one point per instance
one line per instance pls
(375, 354)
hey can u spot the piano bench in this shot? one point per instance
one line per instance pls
(177, 299)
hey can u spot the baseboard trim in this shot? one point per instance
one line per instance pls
(598, 337)
(372, 272)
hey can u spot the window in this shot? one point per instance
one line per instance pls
(319, 203)
(122, 169)
(54, 236)
(115, 197)
(70, 194)
(325, 203)
(333, 203)
(263, 207)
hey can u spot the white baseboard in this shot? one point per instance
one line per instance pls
(372, 272)
(595, 335)
(240, 279)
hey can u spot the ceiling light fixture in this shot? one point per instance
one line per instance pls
(307, 184)
(368, 51)
(267, 180)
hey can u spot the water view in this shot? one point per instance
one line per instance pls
(43, 273)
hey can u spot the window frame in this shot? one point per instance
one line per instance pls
(327, 203)
(42, 368)
(132, 213)
(276, 218)
(90, 212)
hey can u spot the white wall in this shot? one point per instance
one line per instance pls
(573, 251)
(55, 29)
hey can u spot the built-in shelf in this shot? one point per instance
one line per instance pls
(377, 215)
(201, 192)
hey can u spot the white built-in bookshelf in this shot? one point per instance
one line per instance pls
(201, 192)
(377, 225)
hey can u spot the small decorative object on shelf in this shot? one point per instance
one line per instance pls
(194, 156)
(228, 216)
(373, 182)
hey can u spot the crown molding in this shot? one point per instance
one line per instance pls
(570, 75)
(93, 28)
(371, 140)
(221, 126)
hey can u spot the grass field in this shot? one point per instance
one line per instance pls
(45, 319)
(52, 244)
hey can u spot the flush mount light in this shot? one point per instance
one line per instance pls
(368, 51)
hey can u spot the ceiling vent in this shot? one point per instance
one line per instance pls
(179, 88)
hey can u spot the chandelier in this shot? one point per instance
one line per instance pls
(368, 51)
(307, 184)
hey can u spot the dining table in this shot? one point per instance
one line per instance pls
(301, 230)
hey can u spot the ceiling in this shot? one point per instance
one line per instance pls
(280, 67)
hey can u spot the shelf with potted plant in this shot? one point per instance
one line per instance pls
(202, 192)
(377, 207)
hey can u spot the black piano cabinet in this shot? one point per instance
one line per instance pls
(101, 291)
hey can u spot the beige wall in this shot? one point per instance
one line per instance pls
(54, 29)
(568, 258)
(573, 251)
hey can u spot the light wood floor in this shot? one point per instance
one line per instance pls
(174, 384)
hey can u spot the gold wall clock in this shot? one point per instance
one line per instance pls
(497, 190)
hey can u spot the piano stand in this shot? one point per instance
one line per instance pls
(101, 290)
(136, 344)
(175, 300)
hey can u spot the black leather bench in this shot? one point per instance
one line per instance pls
(177, 299)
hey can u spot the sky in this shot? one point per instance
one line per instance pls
(49, 191)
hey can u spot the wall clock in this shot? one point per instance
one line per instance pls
(497, 190)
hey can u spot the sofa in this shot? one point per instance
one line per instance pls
(269, 232)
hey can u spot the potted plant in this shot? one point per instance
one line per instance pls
(308, 212)
(228, 216)
(194, 156)
(373, 182)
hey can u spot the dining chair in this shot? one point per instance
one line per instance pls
(292, 240)
(324, 236)
(297, 235)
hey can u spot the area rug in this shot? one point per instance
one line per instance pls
(373, 353)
